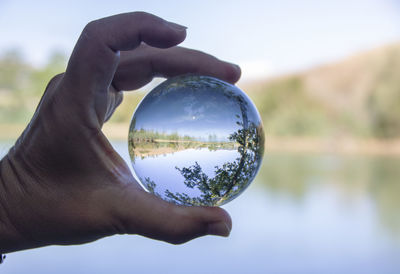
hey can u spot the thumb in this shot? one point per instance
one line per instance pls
(146, 214)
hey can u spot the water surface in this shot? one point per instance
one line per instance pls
(304, 213)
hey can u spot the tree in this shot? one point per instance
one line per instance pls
(229, 180)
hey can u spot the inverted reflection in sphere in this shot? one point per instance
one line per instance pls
(196, 140)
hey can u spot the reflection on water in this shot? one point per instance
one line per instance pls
(304, 213)
(209, 119)
(375, 178)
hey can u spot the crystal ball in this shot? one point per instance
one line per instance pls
(196, 140)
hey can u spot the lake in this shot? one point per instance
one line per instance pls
(304, 213)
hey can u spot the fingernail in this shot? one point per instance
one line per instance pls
(218, 228)
(176, 26)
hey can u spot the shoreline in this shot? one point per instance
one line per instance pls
(333, 145)
(344, 146)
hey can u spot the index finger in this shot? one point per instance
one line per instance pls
(95, 57)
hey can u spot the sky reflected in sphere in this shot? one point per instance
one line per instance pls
(196, 140)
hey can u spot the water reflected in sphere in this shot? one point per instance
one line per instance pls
(196, 140)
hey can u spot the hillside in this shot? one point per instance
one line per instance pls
(358, 96)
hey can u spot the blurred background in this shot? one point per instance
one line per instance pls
(325, 76)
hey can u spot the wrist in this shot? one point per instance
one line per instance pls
(10, 238)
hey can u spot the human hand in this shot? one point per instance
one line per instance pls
(62, 182)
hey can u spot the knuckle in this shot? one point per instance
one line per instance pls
(183, 228)
(177, 236)
(177, 241)
(55, 80)
(91, 28)
(119, 99)
(91, 25)
(143, 19)
(140, 15)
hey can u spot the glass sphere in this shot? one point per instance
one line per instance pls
(196, 140)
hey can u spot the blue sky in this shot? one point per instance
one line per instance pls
(264, 37)
(196, 112)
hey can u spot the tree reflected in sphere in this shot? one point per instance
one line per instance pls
(196, 140)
